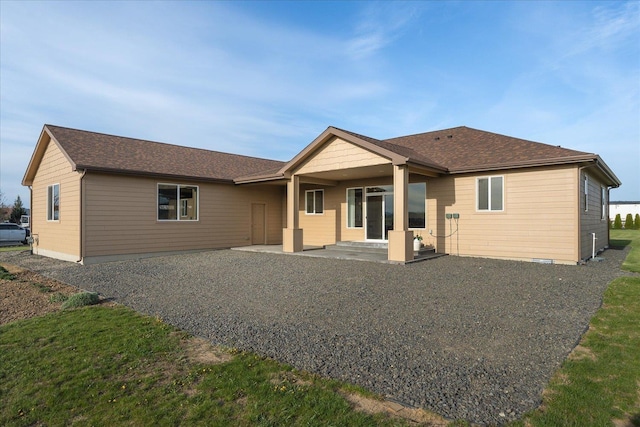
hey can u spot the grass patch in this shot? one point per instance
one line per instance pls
(112, 366)
(42, 288)
(58, 297)
(599, 384)
(628, 238)
(14, 248)
(5, 275)
(81, 299)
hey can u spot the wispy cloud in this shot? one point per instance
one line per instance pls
(380, 25)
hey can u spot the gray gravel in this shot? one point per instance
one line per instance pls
(468, 338)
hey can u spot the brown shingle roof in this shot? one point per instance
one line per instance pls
(464, 149)
(97, 151)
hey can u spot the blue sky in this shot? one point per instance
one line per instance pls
(265, 78)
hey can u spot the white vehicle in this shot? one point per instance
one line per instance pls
(12, 233)
(25, 221)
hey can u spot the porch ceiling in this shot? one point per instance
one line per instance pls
(351, 173)
(363, 172)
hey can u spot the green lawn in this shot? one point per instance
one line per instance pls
(599, 384)
(111, 366)
(14, 248)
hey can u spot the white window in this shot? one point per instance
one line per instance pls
(586, 193)
(53, 202)
(314, 202)
(490, 192)
(417, 204)
(172, 197)
(354, 207)
(603, 202)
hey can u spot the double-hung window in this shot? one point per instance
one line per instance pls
(314, 201)
(53, 202)
(490, 191)
(177, 202)
(354, 207)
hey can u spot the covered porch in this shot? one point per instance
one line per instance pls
(355, 251)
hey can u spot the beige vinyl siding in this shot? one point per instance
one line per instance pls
(538, 221)
(339, 154)
(58, 239)
(591, 220)
(121, 216)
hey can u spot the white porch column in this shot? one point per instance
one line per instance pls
(292, 235)
(400, 238)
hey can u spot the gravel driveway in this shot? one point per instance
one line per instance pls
(468, 338)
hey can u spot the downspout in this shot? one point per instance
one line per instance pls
(81, 230)
(31, 217)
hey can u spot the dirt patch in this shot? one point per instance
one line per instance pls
(415, 416)
(581, 352)
(202, 351)
(29, 295)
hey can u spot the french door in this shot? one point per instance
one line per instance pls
(379, 212)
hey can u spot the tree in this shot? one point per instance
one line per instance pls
(628, 222)
(636, 222)
(617, 223)
(18, 210)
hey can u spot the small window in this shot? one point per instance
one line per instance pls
(53, 202)
(314, 202)
(490, 193)
(586, 193)
(177, 202)
(417, 209)
(603, 202)
(354, 207)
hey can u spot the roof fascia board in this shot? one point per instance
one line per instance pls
(325, 136)
(525, 164)
(154, 175)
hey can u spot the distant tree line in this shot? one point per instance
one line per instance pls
(629, 222)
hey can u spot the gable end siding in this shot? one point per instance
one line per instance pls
(56, 239)
(339, 154)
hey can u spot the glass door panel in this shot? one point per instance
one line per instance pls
(374, 217)
(388, 215)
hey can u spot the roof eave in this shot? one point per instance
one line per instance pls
(38, 154)
(153, 174)
(524, 164)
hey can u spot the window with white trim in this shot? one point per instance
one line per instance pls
(586, 193)
(314, 202)
(490, 193)
(354, 207)
(417, 204)
(177, 202)
(53, 202)
(603, 202)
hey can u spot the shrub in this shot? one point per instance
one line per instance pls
(81, 299)
(628, 222)
(4, 274)
(617, 223)
(636, 222)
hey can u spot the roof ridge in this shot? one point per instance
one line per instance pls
(168, 144)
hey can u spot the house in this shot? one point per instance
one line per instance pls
(467, 192)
